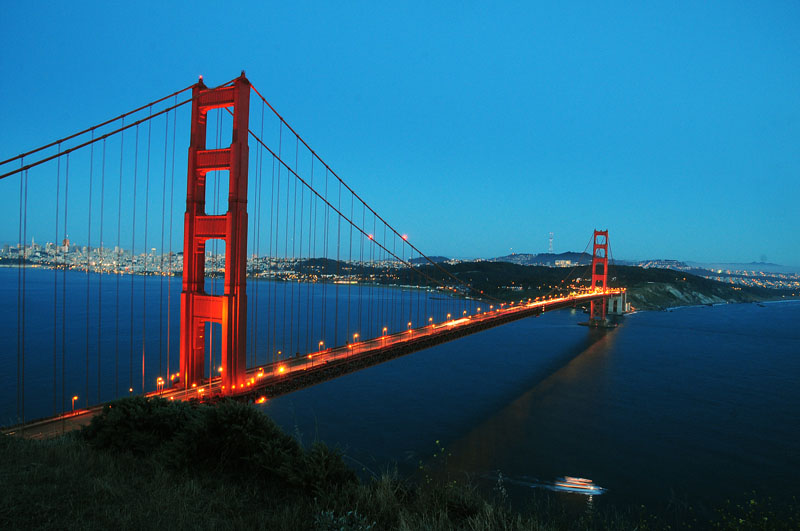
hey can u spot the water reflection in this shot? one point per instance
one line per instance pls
(508, 432)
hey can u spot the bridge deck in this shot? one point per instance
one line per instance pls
(290, 375)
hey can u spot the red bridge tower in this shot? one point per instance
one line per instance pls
(230, 308)
(597, 314)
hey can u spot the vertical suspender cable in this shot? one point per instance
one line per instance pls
(257, 235)
(338, 266)
(102, 265)
(161, 251)
(146, 254)
(312, 253)
(88, 263)
(291, 281)
(372, 317)
(325, 260)
(271, 325)
(387, 303)
(300, 261)
(118, 263)
(64, 297)
(292, 347)
(352, 268)
(360, 324)
(393, 271)
(24, 238)
(55, 292)
(133, 252)
(277, 234)
(20, 254)
(285, 262)
(171, 209)
(311, 257)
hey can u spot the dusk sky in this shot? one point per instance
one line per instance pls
(473, 128)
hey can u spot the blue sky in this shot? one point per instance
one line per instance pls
(473, 128)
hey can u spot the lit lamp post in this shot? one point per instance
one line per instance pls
(448, 316)
(160, 385)
(430, 320)
(409, 328)
(355, 342)
(74, 398)
(384, 336)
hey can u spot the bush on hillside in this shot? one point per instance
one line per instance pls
(138, 425)
(236, 438)
(228, 437)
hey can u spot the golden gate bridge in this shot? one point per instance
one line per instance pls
(345, 289)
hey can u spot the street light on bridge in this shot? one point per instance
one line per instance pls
(74, 398)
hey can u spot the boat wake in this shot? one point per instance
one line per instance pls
(569, 484)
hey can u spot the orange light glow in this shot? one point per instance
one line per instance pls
(261, 399)
(281, 369)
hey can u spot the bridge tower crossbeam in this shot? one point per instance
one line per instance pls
(198, 307)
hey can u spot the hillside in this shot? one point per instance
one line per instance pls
(648, 289)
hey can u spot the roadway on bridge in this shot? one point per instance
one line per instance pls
(288, 375)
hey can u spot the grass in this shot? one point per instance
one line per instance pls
(160, 464)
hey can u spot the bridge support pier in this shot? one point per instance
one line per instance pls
(618, 305)
(198, 307)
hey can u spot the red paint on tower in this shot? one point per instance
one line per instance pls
(597, 312)
(230, 308)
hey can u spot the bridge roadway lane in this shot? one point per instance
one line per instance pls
(289, 375)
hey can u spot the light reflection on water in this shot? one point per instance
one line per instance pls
(698, 403)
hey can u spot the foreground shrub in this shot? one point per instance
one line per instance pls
(321, 470)
(227, 438)
(138, 425)
(235, 438)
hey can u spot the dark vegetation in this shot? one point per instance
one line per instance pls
(648, 289)
(496, 279)
(161, 464)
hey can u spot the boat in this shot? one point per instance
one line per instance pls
(577, 485)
